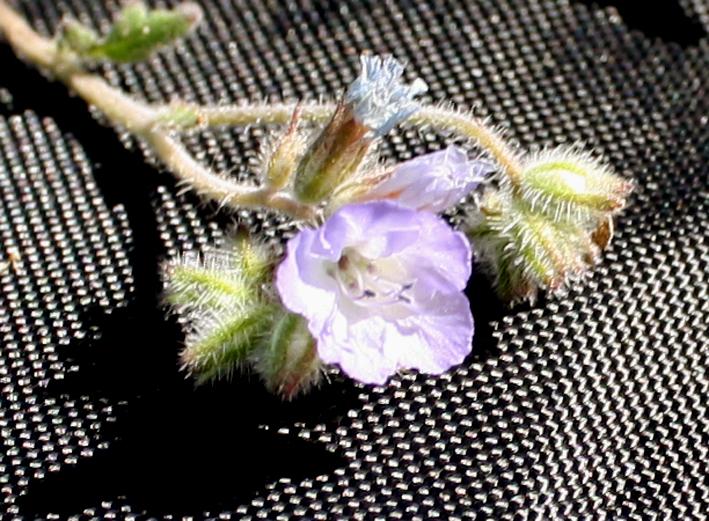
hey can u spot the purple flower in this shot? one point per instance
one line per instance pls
(381, 287)
(432, 182)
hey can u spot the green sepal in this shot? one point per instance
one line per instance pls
(333, 158)
(222, 345)
(212, 281)
(288, 361)
(570, 186)
(527, 251)
(286, 153)
(253, 259)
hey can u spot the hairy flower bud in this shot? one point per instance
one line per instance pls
(219, 297)
(525, 250)
(333, 157)
(220, 344)
(566, 185)
(289, 363)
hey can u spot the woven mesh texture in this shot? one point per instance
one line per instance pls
(590, 405)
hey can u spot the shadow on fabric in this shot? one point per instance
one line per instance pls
(665, 19)
(173, 449)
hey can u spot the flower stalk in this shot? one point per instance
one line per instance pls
(373, 267)
(142, 120)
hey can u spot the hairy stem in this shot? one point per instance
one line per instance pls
(447, 120)
(140, 119)
(276, 113)
(145, 121)
(474, 129)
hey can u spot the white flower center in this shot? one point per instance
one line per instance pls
(371, 282)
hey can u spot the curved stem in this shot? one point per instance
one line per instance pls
(142, 120)
(447, 120)
(146, 121)
(475, 130)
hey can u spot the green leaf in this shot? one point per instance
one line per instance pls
(138, 31)
(77, 37)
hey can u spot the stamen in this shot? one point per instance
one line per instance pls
(359, 279)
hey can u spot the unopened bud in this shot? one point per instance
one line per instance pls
(221, 300)
(289, 363)
(221, 344)
(528, 251)
(333, 157)
(571, 186)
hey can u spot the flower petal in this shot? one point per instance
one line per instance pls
(441, 258)
(372, 350)
(304, 286)
(377, 229)
(438, 339)
(358, 348)
(381, 287)
(432, 182)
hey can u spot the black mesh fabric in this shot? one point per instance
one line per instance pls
(589, 405)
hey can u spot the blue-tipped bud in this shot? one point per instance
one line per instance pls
(376, 102)
(378, 98)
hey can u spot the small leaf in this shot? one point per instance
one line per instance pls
(77, 37)
(138, 31)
